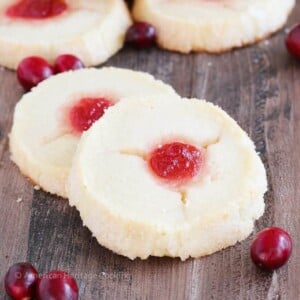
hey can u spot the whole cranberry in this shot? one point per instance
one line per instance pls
(271, 248)
(57, 285)
(32, 70)
(141, 35)
(20, 281)
(67, 62)
(293, 41)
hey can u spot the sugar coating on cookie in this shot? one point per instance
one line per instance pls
(212, 25)
(48, 122)
(167, 177)
(92, 30)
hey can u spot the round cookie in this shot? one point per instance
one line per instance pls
(92, 30)
(136, 211)
(212, 25)
(46, 126)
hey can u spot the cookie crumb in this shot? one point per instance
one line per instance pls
(19, 200)
(37, 187)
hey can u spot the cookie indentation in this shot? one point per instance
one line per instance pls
(36, 9)
(175, 161)
(87, 111)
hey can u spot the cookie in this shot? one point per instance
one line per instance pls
(48, 122)
(210, 25)
(167, 177)
(92, 30)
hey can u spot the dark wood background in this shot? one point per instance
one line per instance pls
(260, 87)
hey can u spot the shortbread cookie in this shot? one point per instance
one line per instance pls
(92, 30)
(212, 25)
(163, 178)
(49, 121)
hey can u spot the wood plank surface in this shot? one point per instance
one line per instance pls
(260, 87)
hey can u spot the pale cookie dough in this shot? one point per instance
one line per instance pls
(42, 143)
(212, 25)
(93, 30)
(132, 212)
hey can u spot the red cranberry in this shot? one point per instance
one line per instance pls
(293, 41)
(88, 110)
(20, 281)
(36, 9)
(271, 248)
(175, 161)
(32, 70)
(141, 35)
(67, 62)
(57, 285)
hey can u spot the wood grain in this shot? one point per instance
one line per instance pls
(260, 87)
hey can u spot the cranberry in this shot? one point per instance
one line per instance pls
(141, 35)
(175, 161)
(32, 70)
(67, 62)
(57, 285)
(36, 9)
(88, 110)
(271, 248)
(20, 281)
(293, 41)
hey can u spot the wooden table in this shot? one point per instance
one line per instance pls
(260, 87)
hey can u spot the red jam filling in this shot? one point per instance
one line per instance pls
(86, 111)
(175, 161)
(36, 9)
